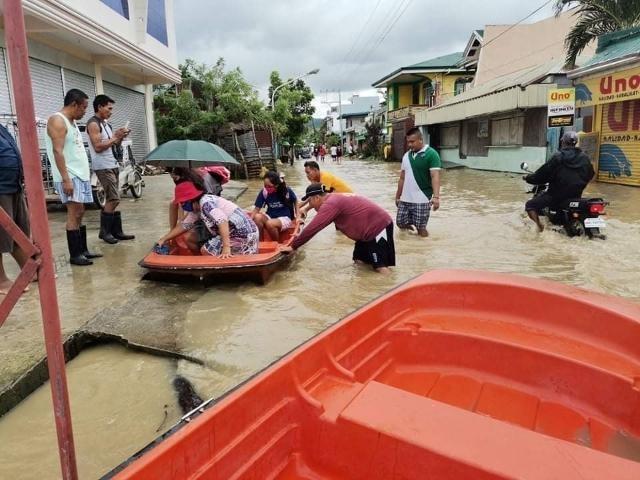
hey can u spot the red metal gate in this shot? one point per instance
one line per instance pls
(39, 247)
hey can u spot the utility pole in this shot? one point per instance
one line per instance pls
(340, 118)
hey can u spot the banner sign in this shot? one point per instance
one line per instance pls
(561, 107)
(613, 87)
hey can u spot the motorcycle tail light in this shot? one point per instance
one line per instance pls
(596, 208)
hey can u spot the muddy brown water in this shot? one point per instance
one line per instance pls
(122, 400)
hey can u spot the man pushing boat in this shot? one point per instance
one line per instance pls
(369, 225)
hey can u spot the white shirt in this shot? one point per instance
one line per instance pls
(411, 192)
(334, 151)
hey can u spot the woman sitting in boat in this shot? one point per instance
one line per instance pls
(281, 204)
(229, 230)
(209, 179)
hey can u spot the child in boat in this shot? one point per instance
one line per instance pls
(229, 230)
(281, 204)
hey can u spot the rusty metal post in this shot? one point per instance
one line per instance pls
(16, 41)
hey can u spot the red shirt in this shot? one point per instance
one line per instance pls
(355, 216)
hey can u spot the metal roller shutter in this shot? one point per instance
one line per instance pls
(619, 159)
(5, 96)
(82, 82)
(130, 107)
(46, 80)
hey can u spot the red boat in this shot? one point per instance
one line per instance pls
(181, 262)
(453, 375)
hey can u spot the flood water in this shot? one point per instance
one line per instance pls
(119, 398)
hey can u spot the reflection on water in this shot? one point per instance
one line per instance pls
(239, 329)
(120, 401)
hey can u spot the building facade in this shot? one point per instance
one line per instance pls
(416, 88)
(501, 120)
(117, 47)
(608, 99)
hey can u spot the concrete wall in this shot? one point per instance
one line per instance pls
(405, 93)
(524, 46)
(100, 13)
(500, 159)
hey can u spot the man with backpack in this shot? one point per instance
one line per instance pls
(104, 145)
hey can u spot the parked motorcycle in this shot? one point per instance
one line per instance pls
(130, 177)
(577, 216)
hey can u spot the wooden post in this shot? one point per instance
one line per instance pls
(16, 41)
(244, 163)
(255, 139)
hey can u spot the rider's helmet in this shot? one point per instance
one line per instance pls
(569, 139)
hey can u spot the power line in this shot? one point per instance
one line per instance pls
(385, 32)
(362, 29)
(376, 28)
(518, 23)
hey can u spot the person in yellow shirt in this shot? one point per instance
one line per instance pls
(331, 182)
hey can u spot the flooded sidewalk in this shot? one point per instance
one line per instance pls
(121, 400)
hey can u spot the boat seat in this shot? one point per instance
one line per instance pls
(429, 436)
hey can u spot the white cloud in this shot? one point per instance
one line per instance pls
(294, 37)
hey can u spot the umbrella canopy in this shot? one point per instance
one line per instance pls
(191, 153)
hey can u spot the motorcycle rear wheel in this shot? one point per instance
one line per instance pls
(136, 187)
(574, 228)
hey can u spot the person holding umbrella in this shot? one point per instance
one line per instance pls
(228, 229)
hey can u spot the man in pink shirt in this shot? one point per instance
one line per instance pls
(369, 225)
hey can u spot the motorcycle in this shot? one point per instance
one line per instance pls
(130, 177)
(577, 216)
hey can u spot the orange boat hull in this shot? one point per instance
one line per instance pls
(453, 375)
(181, 262)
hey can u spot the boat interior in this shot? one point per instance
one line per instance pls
(453, 375)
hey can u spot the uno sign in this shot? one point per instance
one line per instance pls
(561, 107)
(614, 87)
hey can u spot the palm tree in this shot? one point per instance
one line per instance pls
(596, 17)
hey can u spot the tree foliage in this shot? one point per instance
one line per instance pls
(373, 135)
(596, 17)
(292, 109)
(208, 100)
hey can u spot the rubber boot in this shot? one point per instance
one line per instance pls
(106, 227)
(74, 242)
(85, 249)
(116, 231)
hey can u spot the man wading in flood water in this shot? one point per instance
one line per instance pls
(419, 184)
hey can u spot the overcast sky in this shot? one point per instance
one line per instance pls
(352, 42)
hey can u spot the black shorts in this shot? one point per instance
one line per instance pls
(539, 203)
(378, 253)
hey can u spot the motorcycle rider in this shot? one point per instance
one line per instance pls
(567, 172)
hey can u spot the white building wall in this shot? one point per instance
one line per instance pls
(102, 14)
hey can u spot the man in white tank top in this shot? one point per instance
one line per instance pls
(102, 140)
(70, 170)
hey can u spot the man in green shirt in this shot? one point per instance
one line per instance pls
(419, 184)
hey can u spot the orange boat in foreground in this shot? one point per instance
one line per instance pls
(181, 262)
(453, 375)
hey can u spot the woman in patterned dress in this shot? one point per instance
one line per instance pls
(216, 226)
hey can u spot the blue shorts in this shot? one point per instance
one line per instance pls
(81, 191)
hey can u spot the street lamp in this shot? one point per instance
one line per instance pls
(273, 94)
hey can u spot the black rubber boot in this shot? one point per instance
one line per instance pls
(106, 228)
(74, 242)
(85, 249)
(116, 231)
